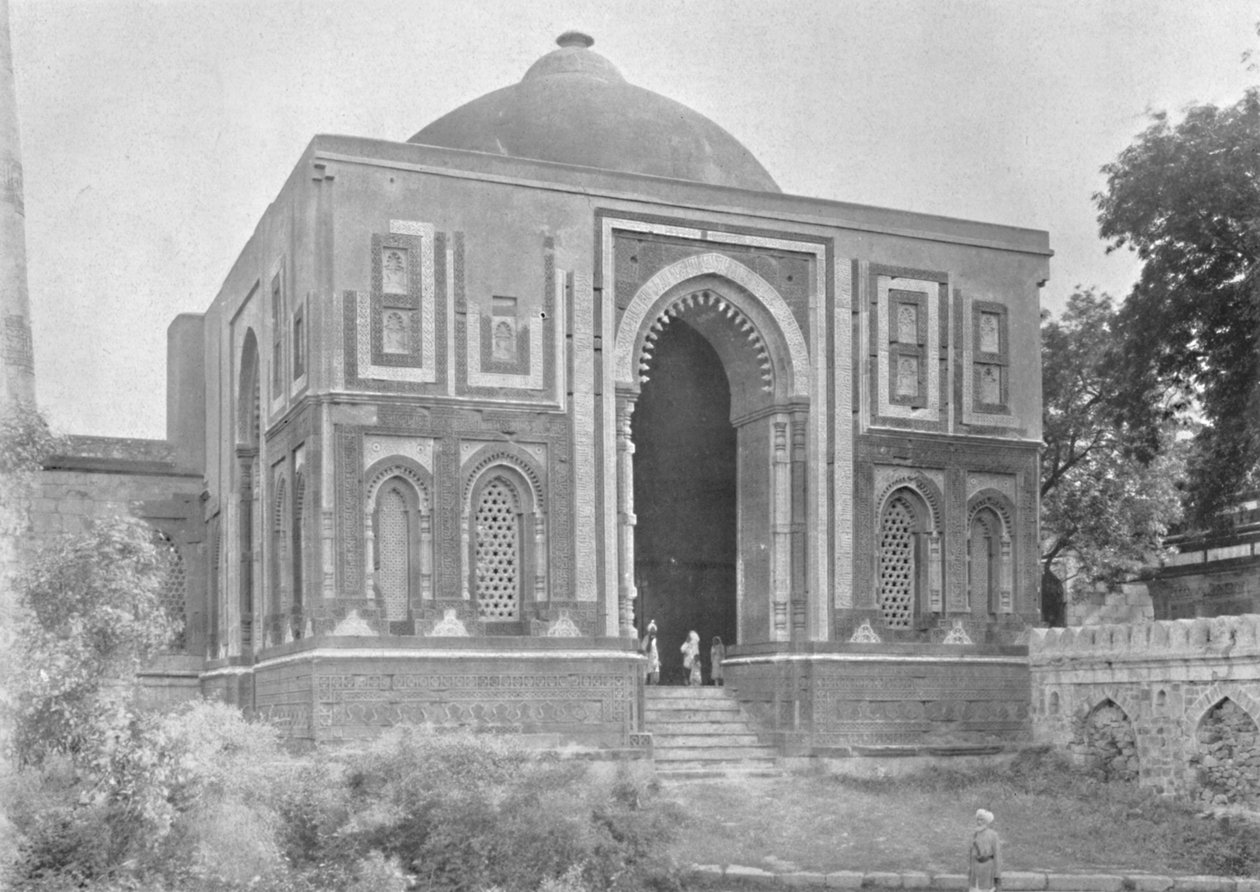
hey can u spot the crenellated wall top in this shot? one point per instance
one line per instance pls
(1215, 636)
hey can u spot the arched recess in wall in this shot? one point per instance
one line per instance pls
(1225, 744)
(248, 522)
(753, 543)
(299, 546)
(398, 532)
(1106, 743)
(505, 537)
(214, 588)
(908, 553)
(278, 593)
(990, 553)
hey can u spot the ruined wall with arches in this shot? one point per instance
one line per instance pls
(1173, 704)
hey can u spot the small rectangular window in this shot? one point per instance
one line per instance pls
(907, 347)
(990, 357)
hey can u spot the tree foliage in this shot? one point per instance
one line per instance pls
(25, 439)
(1186, 198)
(1108, 493)
(93, 615)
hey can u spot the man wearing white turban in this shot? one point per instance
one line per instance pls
(984, 872)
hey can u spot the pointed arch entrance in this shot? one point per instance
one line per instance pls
(684, 487)
(725, 465)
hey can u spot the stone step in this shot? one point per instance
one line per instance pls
(718, 725)
(689, 714)
(659, 692)
(712, 754)
(688, 702)
(701, 739)
(703, 732)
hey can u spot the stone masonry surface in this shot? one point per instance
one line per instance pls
(1176, 701)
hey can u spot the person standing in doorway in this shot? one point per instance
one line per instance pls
(648, 648)
(691, 657)
(984, 871)
(717, 653)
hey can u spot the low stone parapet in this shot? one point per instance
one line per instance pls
(1231, 636)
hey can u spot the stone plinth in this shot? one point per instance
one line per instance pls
(884, 699)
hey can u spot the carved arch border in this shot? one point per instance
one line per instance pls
(630, 330)
(1208, 700)
(399, 466)
(923, 487)
(1001, 505)
(501, 454)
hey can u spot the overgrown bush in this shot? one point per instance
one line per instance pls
(92, 615)
(187, 798)
(200, 799)
(459, 811)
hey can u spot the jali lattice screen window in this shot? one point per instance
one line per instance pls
(174, 592)
(498, 551)
(898, 563)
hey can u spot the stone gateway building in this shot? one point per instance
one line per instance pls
(470, 409)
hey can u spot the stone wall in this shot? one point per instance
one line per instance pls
(104, 477)
(1173, 703)
(1129, 602)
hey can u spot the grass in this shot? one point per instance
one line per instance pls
(1050, 818)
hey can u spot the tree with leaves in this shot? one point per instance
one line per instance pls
(93, 615)
(1186, 198)
(1108, 493)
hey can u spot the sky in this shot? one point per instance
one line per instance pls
(154, 134)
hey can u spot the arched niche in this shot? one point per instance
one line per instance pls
(398, 537)
(990, 553)
(248, 508)
(504, 537)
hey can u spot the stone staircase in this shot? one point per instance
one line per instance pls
(702, 732)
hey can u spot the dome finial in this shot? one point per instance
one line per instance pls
(575, 39)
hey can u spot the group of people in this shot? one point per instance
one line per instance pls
(691, 658)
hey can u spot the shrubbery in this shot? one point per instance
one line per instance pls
(112, 797)
(200, 799)
(459, 811)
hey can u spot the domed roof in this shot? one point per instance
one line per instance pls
(574, 107)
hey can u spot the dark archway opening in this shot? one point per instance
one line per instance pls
(685, 498)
